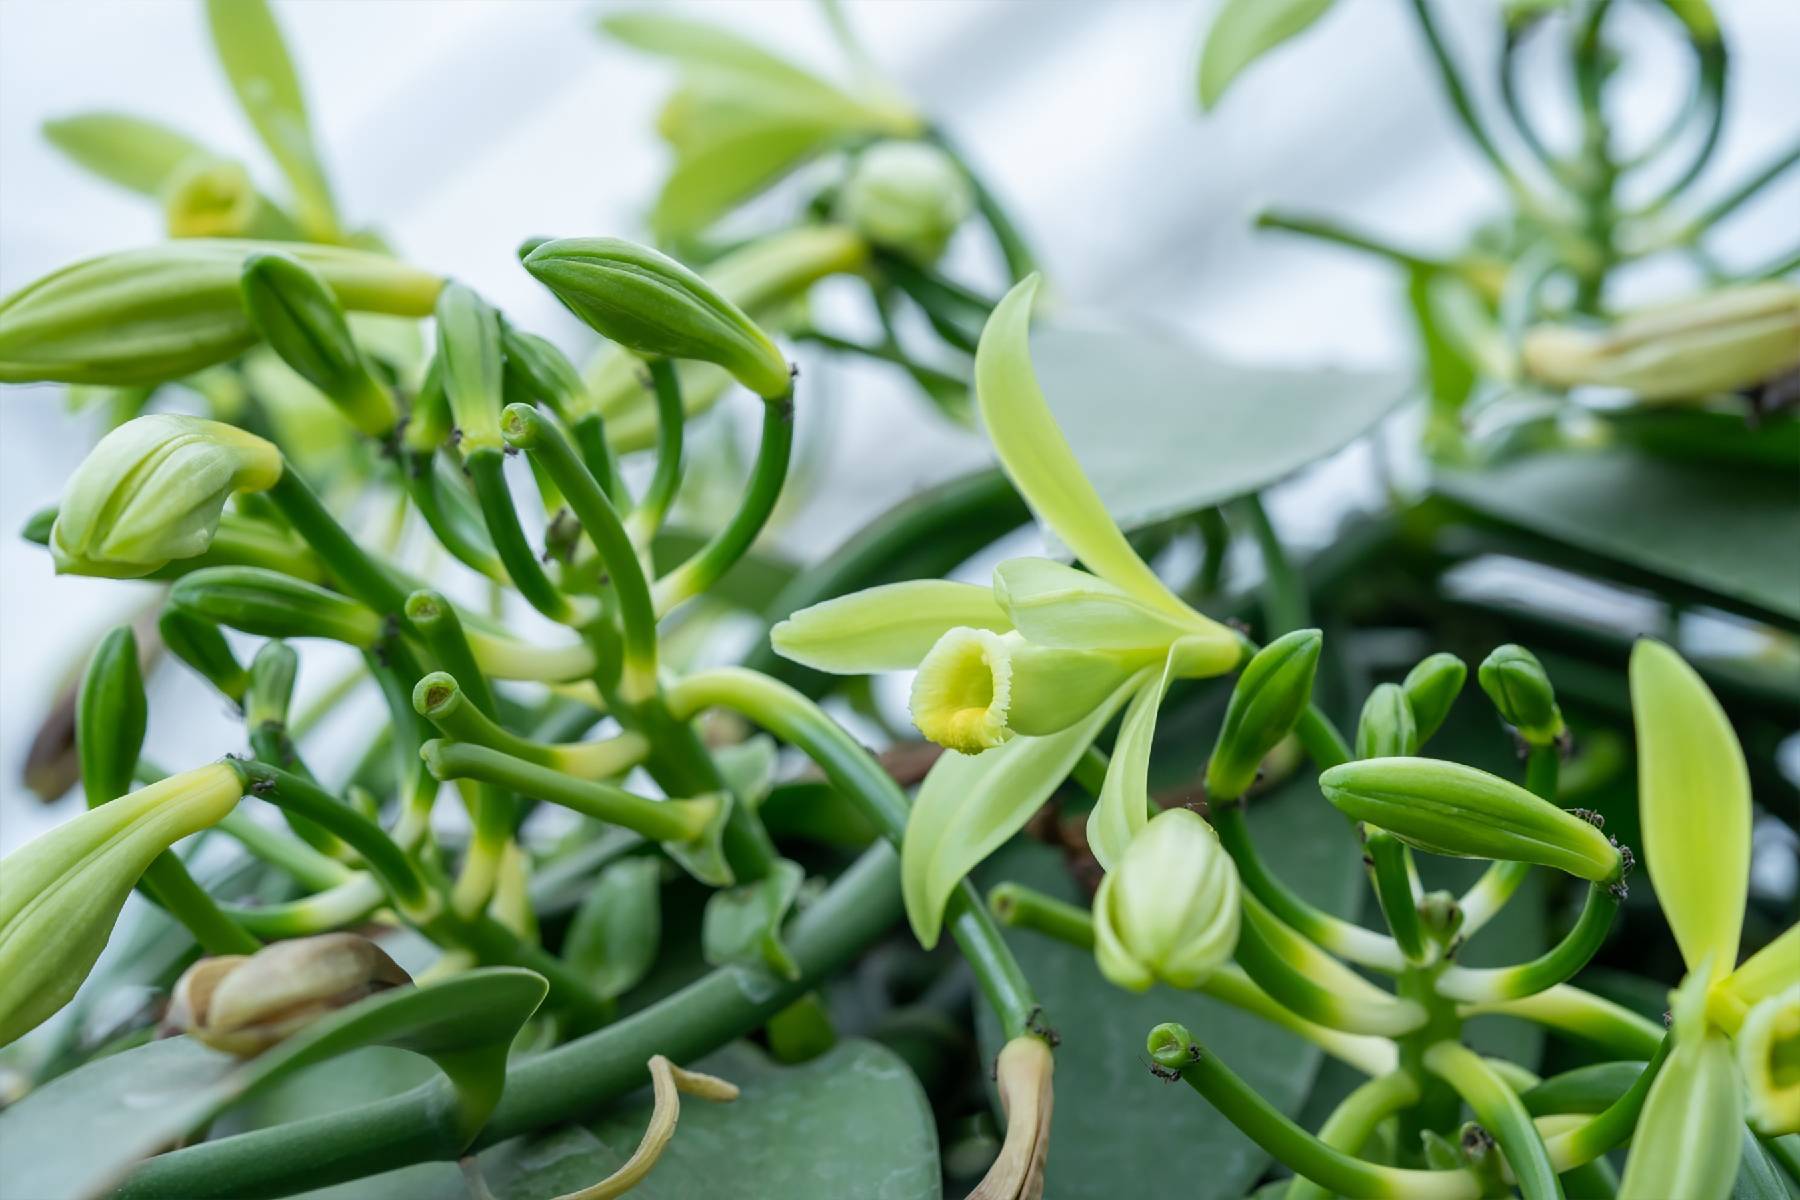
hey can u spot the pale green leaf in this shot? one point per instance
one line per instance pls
(1690, 1134)
(705, 185)
(886, 628)
(1243, 32)
(1038, 460)
(133, 152)
(969, 805)
(696, 44)
(1694, 804)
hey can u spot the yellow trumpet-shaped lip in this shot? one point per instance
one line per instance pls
(963, 690)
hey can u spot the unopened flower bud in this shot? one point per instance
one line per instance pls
(152, 491)
(1722, 341)
(1431, 688)
(537, 371)
(270, 604)
(1768, 1046)
(1269, 697)
(1386, 729)
(1169, 911)
(61, 893)
(1520, 688)
(244, 1004)
(271, 692)
(1447, 808)
(110, 717)
(471, 367)
(150, 315)
(216, 198)
(908, 197)
(653, 306)
(200, 645)
(294, 310)
(976, 688)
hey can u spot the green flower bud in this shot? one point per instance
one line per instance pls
(537, 371)
(271, 692)
(975, 689)
(1431, 688)
(652, 305)
(294, 310)
(110, 717)
(245, 1003)
(1169, 911)
(61, 893)
(270, 604)
(200, 645)
(1386, 729)
(470, 364)
(908, 197)
(1448, 808)
(215, 198)
(150, 315)
(1722, 341)
(1768, 1047)
(152, 491)
(1271, 693)
(1516, 682)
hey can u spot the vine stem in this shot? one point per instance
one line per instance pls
(1501, 1113)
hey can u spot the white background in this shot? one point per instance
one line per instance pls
(461, 126)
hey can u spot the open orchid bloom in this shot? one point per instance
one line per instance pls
(1694, 796)
(1020, 678)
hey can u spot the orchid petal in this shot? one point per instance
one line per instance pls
(886, 628)
(1123, 807)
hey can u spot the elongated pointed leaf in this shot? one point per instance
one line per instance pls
(133, 152)
(969, 805)
(1243, 32)
(78, 1135)
(1694, 802)
(1038, 460)
(887, 628)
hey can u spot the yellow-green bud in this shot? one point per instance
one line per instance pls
(908, 197)
(1269, 697)
(152, 492)
(61, 893)
(1431, 688)
(245, 1003)
(270, 604)
(111, 713)
(537, 371)
(471, 367)
(1768, 1047)
(1448, 808)
(975, 689)
(1520, 688)
(200, 645)
(150, 315)
(1169, 911)
(1386, 728)
(653, 306)
(1721, 341)
(292, 307)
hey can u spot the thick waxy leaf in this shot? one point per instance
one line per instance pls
(1243, 32)
(81, 1132)
(886, 628)
(1163, 428)
(1726, 531)
(1108, 1108)
(1694, 801)
(970, 804)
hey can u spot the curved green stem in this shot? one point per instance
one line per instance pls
(1320, 738)
(1018, 257)
(1498, 1109)
(1284, 592)
(301, 862)
(1581, 1015)
(1463, 104)
(216, 928)
(349, 903)
(1394, 891)
(711, 561)
(1308, 981)
(353, 568)
(1325, 229)
(1558, 964)
(648, 516)
(597, 455)
(465, 542)
(441, 700)
(486, 467)
(796, 720)
(1609, 1128)
(1354, 1120)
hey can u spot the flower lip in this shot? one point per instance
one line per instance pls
(963, 691)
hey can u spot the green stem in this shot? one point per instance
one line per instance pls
(597, 456)
(1394, 891)
(464, 542)
(1362, 946)
(1450, 76)
(891, 354)
(1554, 966)
(570, 1083)
(1731, 201)
(486, 467)
(1612, 1126)
(1320, 738)
(699, 572)
(1272, 955)
(1014, 250)
(347, 904)
(1354, 1120)
(355, 571)
(1498, 1109)
(1581, 1015)
(1174, 1049)
(796, 720)
(186, 901)
(648, 516)
(1284, 592)
(1325, 229)
(303, 864)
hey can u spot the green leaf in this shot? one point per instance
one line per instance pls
(1163, 428)
(1243, 32)
(1108, 1107)
(970, 804)
(1727, 532)
(708, 183)
(614, 935)
(79, 1134)
(743, 924)
(701, 45)
(133, 152)
(250, 48)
